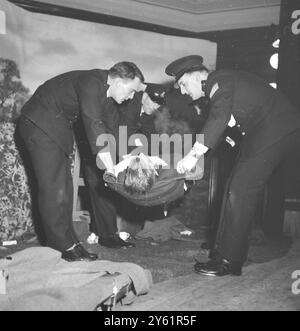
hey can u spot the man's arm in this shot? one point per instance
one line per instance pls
(92, 100)
(219, 114)
(216, 124)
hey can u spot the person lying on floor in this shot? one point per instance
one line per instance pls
(150, 180)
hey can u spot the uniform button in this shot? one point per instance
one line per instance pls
(238, 125)
(243, 133)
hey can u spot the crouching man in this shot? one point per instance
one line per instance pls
(46, 126)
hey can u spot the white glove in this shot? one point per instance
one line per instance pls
(187, 163)
(121, 166)
(104, 161)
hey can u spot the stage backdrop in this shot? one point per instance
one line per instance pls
(35, 47)
(44, 45)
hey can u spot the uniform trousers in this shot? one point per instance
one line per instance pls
(244, 192)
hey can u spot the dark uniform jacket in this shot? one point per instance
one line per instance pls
(57, 104)
(263, 114)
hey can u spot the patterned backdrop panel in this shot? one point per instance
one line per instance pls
(15, 200)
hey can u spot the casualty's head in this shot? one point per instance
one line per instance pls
(140, 175)
(190, 75)
(124, 79)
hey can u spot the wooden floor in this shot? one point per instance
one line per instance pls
(263, 286)
(266, 283)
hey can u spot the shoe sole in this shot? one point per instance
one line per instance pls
(205, 274)
(237, 273)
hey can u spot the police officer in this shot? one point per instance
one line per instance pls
(270, 126)
(46, 126)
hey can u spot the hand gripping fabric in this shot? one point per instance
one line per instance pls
(169, 186)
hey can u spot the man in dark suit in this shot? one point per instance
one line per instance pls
(46, 128)
(270, 127)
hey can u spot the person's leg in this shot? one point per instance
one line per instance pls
(55, 190)
(103, 207)
(245, 191)
(220, 167)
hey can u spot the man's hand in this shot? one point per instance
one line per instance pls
(187, 163)
(104, 161)
(148, 105)
(121, 166)
(148, 110)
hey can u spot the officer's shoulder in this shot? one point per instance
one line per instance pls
(223, 78)
(223, 73)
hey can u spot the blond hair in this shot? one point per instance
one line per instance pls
(140, 175)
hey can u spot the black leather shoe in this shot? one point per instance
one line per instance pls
(114, 241)
(86, 254)
(218, 267)
(78, 253)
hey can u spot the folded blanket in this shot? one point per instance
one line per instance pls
(40, 280)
